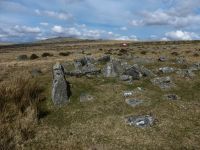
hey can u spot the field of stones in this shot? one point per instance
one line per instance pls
(99, 95)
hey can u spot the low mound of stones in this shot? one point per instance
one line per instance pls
(116, 68)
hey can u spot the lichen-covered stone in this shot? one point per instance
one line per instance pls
(60, 87)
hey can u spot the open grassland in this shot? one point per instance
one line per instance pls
(29, 120)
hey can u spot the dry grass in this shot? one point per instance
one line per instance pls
(19, 109)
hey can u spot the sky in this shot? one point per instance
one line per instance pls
(137, 20)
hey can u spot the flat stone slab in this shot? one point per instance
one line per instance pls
(140, 121)
(134, 102)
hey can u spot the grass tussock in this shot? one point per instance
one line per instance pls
(19, 110)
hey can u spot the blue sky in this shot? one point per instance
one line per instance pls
(31, 20)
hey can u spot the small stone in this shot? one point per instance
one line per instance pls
(162, 59)
(163, 82)
(134, 72)
(140, 121)
(134, 102)
(166, 70)
(125, 78)
(85, 97)
(195, 66)
(185, 73)
(171, 97)
(127, 93)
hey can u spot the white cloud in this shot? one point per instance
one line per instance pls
(54, 14)
(26, 29)
(66, 31)
(180, 35)
(58, 29)
(180, 15)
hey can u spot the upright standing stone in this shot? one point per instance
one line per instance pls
(60, 87)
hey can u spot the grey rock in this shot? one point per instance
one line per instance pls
(125, 78)
(171, 97)
(166, 70)
(22, 57)
(134, 102)
(85, 60)
(181, 60)
(135, 91)
(185, 73)
(140, 121)
(60, 87)
(134, 72)
(90, 69)
(163, 82)
(146, 72)
(85, 97)
(127, 93)
(195, 66)
(162, 59)
(113, 68)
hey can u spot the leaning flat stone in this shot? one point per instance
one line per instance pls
(140, 121)
(134, 102)
(60, 87)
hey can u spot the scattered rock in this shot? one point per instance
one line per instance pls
(195, 67)
(85, 60)
(163, 82)
(185, 73)
(134, 102)
(125, 78)
(146, 72)
(85, 97)
(171, 97)
(22, 57)
(60, 87)
(181, 60)
(134, 72)
(166, 70)
(90, 69)
(140, 121)
(162, 59)
(127, 93)
(34, 56)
